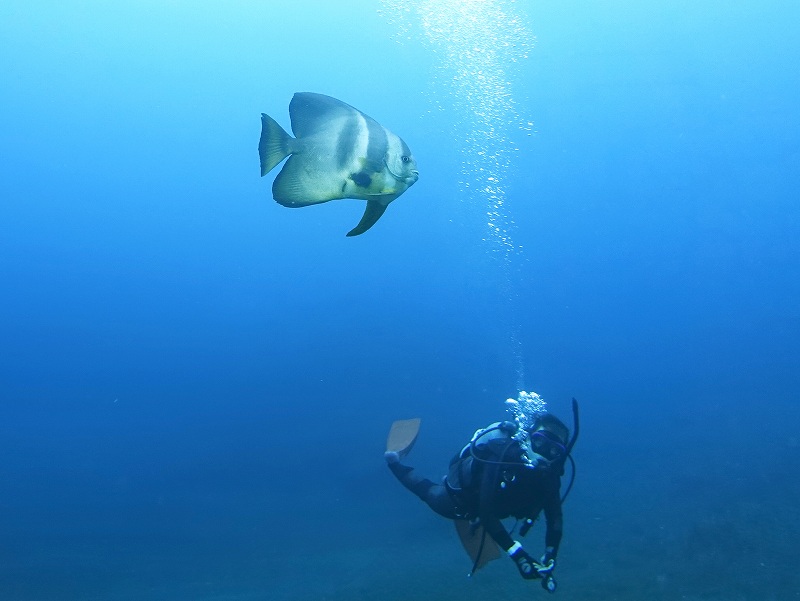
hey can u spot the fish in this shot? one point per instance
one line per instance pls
(337, 152)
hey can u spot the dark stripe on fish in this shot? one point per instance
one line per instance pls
(376, 147)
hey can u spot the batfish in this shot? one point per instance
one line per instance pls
(337, 152)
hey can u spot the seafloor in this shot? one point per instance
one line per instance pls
(743, 551)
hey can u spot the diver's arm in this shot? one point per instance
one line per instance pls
(497, 531)
(488, 514)
(554, 522)
(487, 511)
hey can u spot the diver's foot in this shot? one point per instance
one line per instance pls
(391, 457)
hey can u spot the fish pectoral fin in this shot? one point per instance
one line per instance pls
(373, 212)
(273, 146)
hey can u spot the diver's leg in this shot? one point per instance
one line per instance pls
(435, 495)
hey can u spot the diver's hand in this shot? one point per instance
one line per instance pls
(526, 565)
(548, 561)
(545, 569)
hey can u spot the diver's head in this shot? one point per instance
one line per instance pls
(549, 423)
(548, 439)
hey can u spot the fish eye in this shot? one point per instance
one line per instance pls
(405, 158)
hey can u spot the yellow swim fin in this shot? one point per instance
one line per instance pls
(402, 436)
(480, 547)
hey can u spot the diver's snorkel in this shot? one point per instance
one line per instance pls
(576, 424)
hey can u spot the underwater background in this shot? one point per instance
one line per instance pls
(196, 383)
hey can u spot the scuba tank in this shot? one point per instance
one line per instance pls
(494, 440)
(501, 435)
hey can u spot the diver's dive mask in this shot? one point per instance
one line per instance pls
(547, 445)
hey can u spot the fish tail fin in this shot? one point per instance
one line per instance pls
(274, 145)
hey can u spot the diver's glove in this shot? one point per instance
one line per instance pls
(526, 565)
(548, 561)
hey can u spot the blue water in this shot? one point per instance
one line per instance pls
(196, 383)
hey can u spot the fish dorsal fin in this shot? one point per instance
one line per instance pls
(312, 112)
(372, 213)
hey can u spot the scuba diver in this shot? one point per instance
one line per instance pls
(505, 470)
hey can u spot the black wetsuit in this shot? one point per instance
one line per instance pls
(492, 492)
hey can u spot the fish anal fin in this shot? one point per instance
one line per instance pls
(295, 186)
(373, 212)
